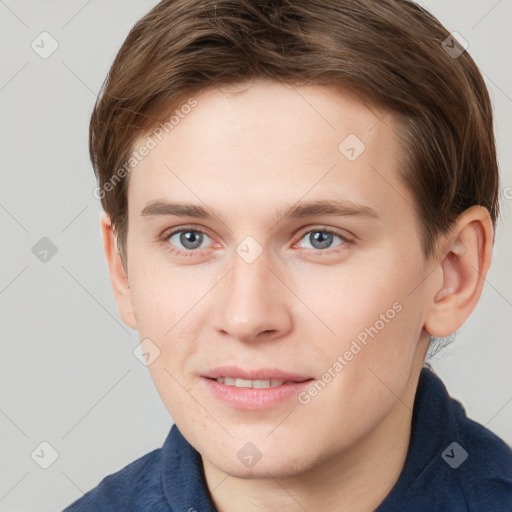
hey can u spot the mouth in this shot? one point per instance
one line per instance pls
(255, 378)
(254, 389)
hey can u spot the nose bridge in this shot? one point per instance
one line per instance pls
(252, 303)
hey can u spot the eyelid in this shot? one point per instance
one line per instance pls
(177, 229)
(172, 231)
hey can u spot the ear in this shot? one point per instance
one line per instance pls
(465, 260)
(118, 275)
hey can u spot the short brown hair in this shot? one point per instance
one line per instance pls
(391, 52)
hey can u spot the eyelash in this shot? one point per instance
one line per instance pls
(192, 252)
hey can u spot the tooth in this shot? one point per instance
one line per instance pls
(260, 383)
(242, 383)
(245, 383)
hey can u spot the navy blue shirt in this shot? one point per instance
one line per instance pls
(453, 464)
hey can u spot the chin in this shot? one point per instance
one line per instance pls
(275, 465)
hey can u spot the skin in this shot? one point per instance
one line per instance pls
(246, 152)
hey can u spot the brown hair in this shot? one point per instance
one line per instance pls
(391, 52)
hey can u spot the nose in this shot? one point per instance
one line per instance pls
(254, 303)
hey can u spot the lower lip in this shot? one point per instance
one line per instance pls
(255, 398)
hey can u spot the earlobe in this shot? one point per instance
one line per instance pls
(118, 275)
(464, 261)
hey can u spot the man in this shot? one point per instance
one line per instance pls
(298, 196)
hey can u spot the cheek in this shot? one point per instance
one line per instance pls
(369, 320)
(160, 294)
(164, 318)
(347, 301)
(362, 369)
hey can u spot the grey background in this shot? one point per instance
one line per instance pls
(68, 373)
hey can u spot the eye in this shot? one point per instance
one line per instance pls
(186, 241)
(189, 239)
(321, 239)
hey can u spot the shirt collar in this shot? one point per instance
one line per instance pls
(182, 473)
(433, 428)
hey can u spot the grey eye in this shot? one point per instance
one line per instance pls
(321, 239)
(189, 238)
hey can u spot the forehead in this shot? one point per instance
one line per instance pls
(265, 144)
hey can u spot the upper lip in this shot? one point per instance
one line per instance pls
(256, 374)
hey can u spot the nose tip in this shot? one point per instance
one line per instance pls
(253, 308)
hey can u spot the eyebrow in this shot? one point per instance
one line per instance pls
(339, 208)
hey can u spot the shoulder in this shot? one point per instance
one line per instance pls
(137, 486)
(472, 473)
(453, 463)
(485, 475)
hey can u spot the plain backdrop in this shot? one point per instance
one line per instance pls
(68, 374)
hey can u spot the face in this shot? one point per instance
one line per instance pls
(333, 292)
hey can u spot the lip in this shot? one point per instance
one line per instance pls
(260, 374)
(254, 398)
